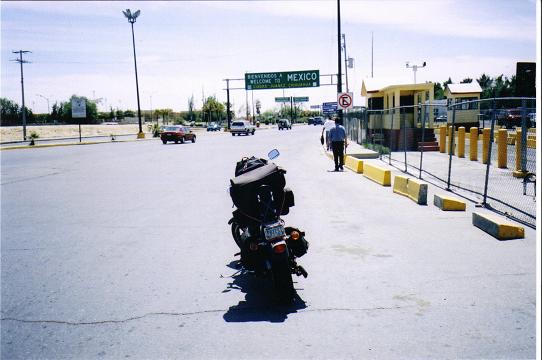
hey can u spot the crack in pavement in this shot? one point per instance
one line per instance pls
(247, 308)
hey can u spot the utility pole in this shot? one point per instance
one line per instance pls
(228, 104)
(339, 73)
(23, 109)
(345, 60)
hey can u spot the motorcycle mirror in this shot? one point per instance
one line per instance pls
(273, 154)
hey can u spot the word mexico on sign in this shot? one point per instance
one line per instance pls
(79, 108)
(283, 99)
(301, 99)
(281, 80)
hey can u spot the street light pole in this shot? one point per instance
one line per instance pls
(132, 19)
(48, 108)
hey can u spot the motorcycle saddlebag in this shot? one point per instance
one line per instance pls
(288, 201)
(243, 189)
(248, 164)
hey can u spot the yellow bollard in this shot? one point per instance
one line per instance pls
(442, 142)
(450, 134)
(518, 150)
(473, 144)
(486, 133)
(461, 142)
(502, 148)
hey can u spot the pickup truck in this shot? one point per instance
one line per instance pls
(242, 127)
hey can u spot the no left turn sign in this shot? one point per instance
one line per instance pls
(345, 100)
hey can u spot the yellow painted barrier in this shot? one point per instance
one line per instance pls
(502, 149)
(447, 203)
(354, 164)
(414, 189)
(377, 174)
(497, 227)
(461, 142)
(486, 133)
(473, 144)
(442, 142)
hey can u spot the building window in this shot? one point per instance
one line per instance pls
(467, 103)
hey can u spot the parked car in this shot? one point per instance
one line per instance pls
(284, 124)
(441, 118)
(311, 121)
(213, 127)
(318, 121)
(509, 118)
(177, 133)
(242, 127)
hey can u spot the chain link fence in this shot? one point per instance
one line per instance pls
(488, 158)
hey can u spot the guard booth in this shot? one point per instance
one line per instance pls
(465, 114)
(395, 113)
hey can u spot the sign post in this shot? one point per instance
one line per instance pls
(79, 110)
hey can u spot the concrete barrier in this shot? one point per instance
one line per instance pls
(414, 189)
(377, 174)
(496, 227)
(354, 164)
(447, 203)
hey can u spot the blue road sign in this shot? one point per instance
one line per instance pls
(329, 107)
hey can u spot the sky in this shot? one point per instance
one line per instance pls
(186, 49)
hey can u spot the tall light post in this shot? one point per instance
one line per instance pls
(46, 98)
(415, 68)
(132, 19)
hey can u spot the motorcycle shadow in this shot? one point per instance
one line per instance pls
(259, 303)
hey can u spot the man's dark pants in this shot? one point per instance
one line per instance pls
(338, 153)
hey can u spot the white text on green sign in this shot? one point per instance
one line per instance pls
(280, 80)
(301, 99)
(283, 99)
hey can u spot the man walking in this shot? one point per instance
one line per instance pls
(328, 125)
(337, 136)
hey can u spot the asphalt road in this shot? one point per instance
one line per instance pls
(122, 251)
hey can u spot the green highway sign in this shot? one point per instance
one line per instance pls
(282, 99)
(301, 99)
(281, 80)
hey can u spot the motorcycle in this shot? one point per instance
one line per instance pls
(267, 246)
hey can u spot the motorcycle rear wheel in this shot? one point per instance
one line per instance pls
(282, 281)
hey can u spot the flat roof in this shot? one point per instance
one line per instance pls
(472, 87)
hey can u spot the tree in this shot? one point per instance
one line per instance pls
(9, 112)
(466, 81)
(438, 90)
(129, 113)
(213, 109)
(191, 108)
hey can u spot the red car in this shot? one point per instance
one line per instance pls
(178, 134)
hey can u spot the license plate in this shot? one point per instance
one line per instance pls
(274, 231)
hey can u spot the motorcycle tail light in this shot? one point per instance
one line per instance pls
(295, 235)
(253, 246)
(279, 248)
